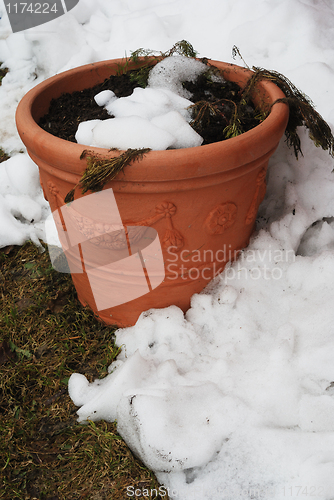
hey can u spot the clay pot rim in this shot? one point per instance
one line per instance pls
(37, 139)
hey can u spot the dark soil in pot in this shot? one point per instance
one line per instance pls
(216, 105)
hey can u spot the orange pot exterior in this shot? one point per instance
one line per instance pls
(202, 201)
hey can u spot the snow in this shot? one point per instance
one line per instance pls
(172, 71)
(104, 97)
(234, 399)
(23, 208)
(184, 136)
(130, 132)
(155, 117)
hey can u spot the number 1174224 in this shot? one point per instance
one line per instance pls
(32, 8)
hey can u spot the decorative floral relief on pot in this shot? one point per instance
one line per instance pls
(172, 238)
(221, 218)
(105, 236)
(259, 194)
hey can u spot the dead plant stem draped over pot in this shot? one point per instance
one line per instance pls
(101, 170)
(302, 112)
(301, 107)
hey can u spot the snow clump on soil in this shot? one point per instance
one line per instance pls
(172, 71)
(154, 117)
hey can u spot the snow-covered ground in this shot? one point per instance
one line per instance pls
(234, 399)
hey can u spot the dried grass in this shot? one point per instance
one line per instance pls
(45, 336)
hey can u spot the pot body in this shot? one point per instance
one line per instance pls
(181, 215)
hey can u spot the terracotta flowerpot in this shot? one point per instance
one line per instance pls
(201, 201)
